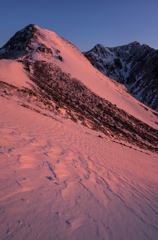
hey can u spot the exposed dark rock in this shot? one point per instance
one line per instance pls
(60, 58)
(134, 65)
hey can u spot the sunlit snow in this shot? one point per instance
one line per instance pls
(59, 180)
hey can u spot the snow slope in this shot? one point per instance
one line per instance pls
(79, 67)
(12, 72)
(59, 180)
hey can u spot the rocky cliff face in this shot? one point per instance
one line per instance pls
(134, 65)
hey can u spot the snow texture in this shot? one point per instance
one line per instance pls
(59, 180)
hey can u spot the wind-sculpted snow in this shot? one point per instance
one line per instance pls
(134, 65)
(62, 181)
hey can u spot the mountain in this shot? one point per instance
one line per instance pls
(78, 152)
(134, 65)
(62, 78)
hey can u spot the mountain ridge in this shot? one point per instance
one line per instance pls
(133, 65)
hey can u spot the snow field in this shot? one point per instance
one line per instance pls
(60, 181)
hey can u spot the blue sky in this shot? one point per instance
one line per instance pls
(84, 22)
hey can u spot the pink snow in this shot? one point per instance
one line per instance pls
(60, 181)
(12, 72)
(79, 67)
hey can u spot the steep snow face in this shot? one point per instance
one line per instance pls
(134, 65)
(59, 180)
(43, 45)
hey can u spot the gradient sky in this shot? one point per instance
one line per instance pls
(84, 23)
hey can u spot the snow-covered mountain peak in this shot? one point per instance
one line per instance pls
(61, 78)
(28, 41)
(33, 43)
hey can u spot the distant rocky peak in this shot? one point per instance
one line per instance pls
(135, 43)
(134, 65)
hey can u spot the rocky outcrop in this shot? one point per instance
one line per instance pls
(134, 65)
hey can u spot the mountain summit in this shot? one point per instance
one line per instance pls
(134, 65)
(20, 43)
